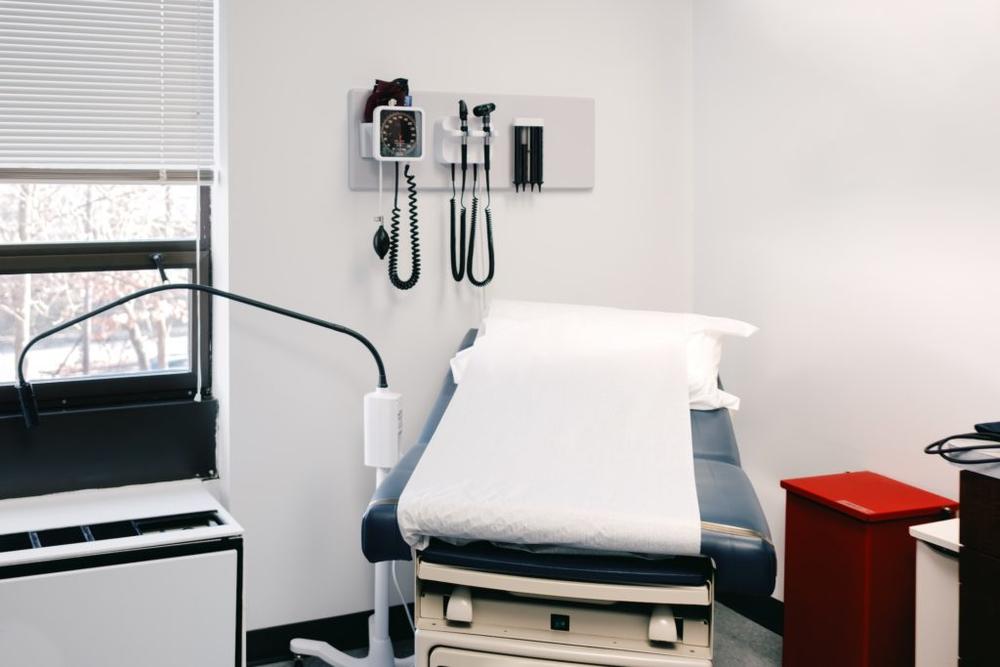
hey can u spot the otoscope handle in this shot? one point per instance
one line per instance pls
(463, 117)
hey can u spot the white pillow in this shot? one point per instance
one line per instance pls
(704, 355)
(704, 347)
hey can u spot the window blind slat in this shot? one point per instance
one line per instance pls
(88, 105)
(112, 6)
(82, 58)
(74, 66)
(107, 86)
(61, 114)
(8, 125)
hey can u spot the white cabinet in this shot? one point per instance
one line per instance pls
(937, 593)
(146, 577)
(156, 613)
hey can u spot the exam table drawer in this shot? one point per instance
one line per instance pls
(438, 649)
(450, 657)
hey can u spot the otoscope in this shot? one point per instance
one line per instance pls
(458, 262)
(483, 111)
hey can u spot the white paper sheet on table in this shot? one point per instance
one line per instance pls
(574, 434)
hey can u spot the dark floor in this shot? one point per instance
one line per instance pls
(739, 642)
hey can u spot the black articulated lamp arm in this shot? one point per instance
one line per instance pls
(26, 395)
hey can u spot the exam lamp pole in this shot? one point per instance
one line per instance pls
(383, 428)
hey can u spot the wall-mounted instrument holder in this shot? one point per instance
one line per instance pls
(569, 139)
(407, 126)
(529, 156)
(448, 141)
(365, 134)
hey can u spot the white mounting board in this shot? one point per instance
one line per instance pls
(569, 139)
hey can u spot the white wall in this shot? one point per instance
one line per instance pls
(848, 202)
(299, 237)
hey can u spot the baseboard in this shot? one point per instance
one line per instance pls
(765, 611)
(346, 632)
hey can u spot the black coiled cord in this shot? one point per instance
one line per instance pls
(963, 453)
(457, 262)
(490, 260)
(414, 233)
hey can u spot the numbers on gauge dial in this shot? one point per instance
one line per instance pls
(399, 134)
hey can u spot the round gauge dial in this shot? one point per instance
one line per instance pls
(399, 134)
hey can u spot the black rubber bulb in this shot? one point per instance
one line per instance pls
(381, 242)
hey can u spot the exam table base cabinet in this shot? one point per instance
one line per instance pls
(528, 621)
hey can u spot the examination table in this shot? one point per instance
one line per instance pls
(737, 557)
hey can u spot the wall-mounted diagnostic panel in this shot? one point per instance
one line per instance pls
(498, 146)
(434, 131)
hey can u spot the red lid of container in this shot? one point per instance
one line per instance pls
(868, 496)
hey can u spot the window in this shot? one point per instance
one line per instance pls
(68, 248)
(106, 164)
(106, 116)
(56, 232)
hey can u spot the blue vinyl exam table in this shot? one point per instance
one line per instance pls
(480, 605)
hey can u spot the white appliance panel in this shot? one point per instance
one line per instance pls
(156, 613)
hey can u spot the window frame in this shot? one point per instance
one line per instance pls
(127, 389)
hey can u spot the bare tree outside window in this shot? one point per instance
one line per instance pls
(150, 335)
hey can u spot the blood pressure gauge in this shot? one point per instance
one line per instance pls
(398, 134)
